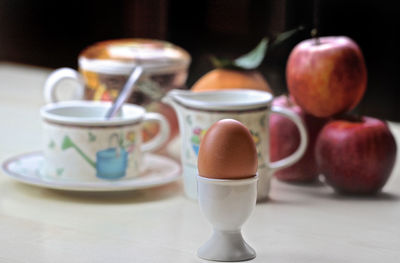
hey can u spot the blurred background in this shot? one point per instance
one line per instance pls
(52, 33)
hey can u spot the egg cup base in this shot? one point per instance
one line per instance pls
(226, 246)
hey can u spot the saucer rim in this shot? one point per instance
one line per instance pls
(101, 186)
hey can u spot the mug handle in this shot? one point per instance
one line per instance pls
(162, 135)
(294, 157)
(58, 75)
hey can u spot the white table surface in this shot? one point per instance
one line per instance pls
(298, 224)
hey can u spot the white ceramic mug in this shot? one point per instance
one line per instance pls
(197, 111)
(80, 144)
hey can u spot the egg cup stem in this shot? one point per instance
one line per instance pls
(227, 204)
(226, 246)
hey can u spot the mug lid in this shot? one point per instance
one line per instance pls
(223, 100)
(120, 56)
(90, 113)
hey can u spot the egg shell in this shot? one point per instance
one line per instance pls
(227, 151)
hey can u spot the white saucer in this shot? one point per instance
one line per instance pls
(26, 168)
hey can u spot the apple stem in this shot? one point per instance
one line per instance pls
(314, 32)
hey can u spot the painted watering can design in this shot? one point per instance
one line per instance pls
(197, 111)
(79, 144)
(111, 163)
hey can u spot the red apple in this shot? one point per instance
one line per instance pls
(356, 156)
(326, 77)
(285, 138)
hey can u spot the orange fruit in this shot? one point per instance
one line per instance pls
(220, 79)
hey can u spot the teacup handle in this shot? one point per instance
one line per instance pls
(291, 159)
(162, 135)
(58, 75)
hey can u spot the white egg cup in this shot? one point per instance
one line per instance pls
(227, 204)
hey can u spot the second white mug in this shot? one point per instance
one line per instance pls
(197, 111)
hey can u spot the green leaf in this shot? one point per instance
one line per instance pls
(285, 35)
(254, 58)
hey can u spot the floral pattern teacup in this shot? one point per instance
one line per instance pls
(80, 144)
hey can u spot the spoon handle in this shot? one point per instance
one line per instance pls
(125, 92)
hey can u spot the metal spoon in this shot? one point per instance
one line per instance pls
(125, 92)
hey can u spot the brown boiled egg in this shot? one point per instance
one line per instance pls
(227, 151)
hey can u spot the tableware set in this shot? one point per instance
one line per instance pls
(105, 67)
(90, 144)
(93, 145)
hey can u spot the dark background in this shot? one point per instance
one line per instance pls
(52, 33)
